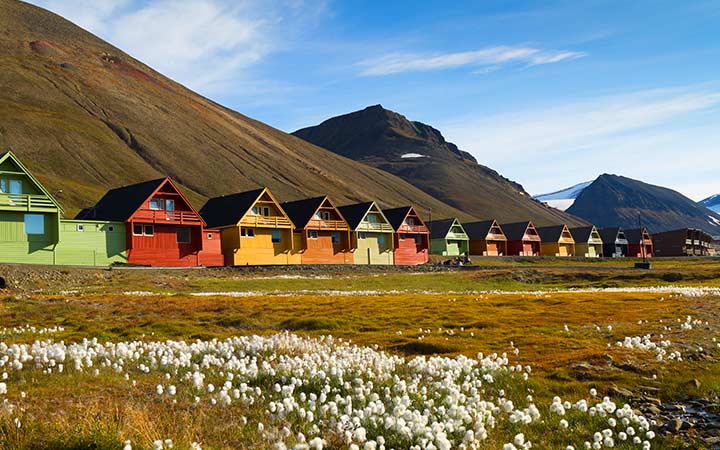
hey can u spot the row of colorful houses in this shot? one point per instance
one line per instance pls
(153, 223)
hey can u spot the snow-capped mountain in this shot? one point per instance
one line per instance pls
(712, 203)
(565, 198)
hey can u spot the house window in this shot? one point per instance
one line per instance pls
(362, 236)
(80, 227)
(254, 211)
(410, 221)
(34, 224)
(170, 205)
(247, 232)
(418, 239)
(15, 187)
(149, 230)
(209, 235)
(266, 211)
(317, 215)
(372, 218)
(313, 234)
(381, 240)
(111, 228)
(137, 229)
(326, 215)
(402, 237)
(275, 236)
(155, 203)
(183, 235)
(335, 237)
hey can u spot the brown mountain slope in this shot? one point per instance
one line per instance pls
(86, 117)
(380, 138)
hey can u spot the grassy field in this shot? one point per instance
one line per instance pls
(568, 338)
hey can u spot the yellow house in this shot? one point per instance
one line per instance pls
(556, 241)
(372, 233)
(254, 229)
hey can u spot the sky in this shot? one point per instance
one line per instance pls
(550, 94)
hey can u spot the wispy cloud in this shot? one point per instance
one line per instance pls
(490, 56)
(634, 134)
(207, 45)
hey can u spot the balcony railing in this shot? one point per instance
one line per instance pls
(25, 202)
(164, 216)
(375, 227)
(405, 228)
(318, 224)
(266, 221)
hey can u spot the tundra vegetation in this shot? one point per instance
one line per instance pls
(509, 357)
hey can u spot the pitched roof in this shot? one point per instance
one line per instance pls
(609, 235)
(301, 211)
(227, 210)
(354, 214)
(635, 234)
(582, 234)
(120, 203)
(440, 228)
(551, 234)
(10, 155)
(515, 231)
(479, 230)
(396, 216)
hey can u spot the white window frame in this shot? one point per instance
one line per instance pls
(325, 215)
(151, 228)
(312, 234)
(362, 235)
(79, 227)
(141, 229)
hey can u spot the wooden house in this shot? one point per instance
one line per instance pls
(615, 244)
(321, 234)
(682, 242)
(486, 238)
(522, 239)
(161, 226)
(448, 238)
(371, 233)
(254, 228)
(556, 241)
(588, 242)
(91, 243)
(412, 237)
(640, 244)
(29, 215)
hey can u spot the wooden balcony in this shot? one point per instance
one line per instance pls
(375, 227)
(405, 228)
(460, 236)
(171, 217)
(335, 225)
(26, 202)
(265, 222)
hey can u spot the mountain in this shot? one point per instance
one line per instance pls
(419, 154)
(712, 203)
(86, 117)
(563, 199)
(612, 200)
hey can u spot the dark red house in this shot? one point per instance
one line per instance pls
(522, 239)
(411, 237)
(640, 244)
(163, 229)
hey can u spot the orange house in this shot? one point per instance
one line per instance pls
(412, 237)
(321, 234)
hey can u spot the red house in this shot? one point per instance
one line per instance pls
(163, 229)
(411, 237)
(640, 244)
(522, 239)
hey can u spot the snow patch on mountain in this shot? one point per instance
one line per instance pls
(565, 198)
(413, 155)
(712, 203)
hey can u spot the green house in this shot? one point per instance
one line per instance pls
(32, 230)
(448, 238)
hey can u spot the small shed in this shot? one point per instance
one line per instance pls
(640, 243)
(486, 238)
(448, 238)
(588, 242)
(615, 243)
(556, 241)
(522, 239)
(412, 237)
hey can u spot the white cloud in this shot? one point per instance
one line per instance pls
(651, 135)
(208, 45)
(490, 56)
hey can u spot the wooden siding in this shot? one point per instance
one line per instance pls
(211, 254)
(259, 249)
(18, 247)
(450, 247)
(322, 250)
(407, 252)
(162, 249)
(588, 250)
(557, 249)
(371, 250)
(523, 248)
(488, 247)
(98, 244)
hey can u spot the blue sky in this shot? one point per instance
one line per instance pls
(550, 94)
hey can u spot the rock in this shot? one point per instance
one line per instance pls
(713, 440)
(607, 357)
(674, 425)
(652, 409)
(653, 400)
(620, 391)
(694, 383)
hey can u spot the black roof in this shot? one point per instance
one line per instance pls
(582, 234)
(635, 234)
(440, 228)
(551, 234)
(120, 203)
(515, 231)
(301, 211)
(228, 209)
(478, 230)
(610, 234)
(396, 216)
(354, 214)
